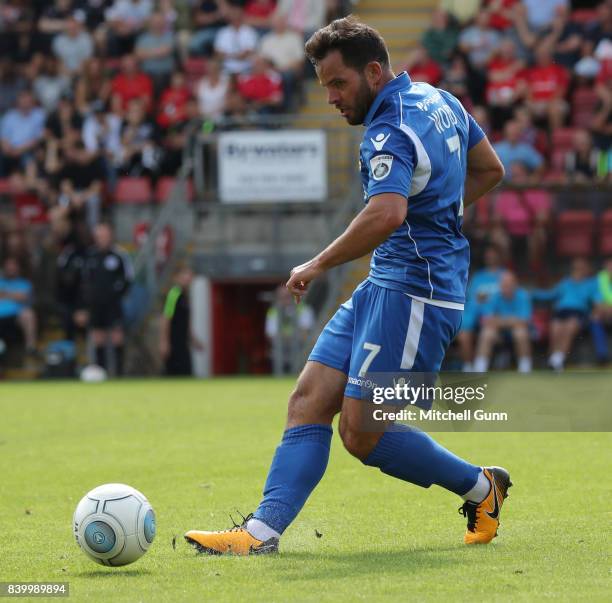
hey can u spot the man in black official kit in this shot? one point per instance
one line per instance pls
(107, 276)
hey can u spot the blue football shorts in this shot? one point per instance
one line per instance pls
(382, 330)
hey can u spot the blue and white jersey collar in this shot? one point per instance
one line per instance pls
(401, 82)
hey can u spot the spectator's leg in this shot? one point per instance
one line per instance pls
(570, 331)
(92, 208)
(98, 337)
(563, 333)
(466, 349)
(117, 339)
(522, 347)
(27, 322)
(556, 114)
(486, 341)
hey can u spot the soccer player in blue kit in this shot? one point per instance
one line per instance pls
(423, 159)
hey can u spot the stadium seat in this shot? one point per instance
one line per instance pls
(540, 321)
(29, 209)
(195, 68)
(164, 189)
(575, 230)
(557, 162)
(5, 186)
(605, 236)
(133, 191)
(584, 105)
(563, 139)
(584, 16)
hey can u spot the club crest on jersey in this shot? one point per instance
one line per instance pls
(380, 166)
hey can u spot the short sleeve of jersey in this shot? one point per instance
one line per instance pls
(389, 157)
(475, 132)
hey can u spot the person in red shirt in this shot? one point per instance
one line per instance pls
(258, 14)
(173, 101)
(262, 88)
(500, 13)
(131, 83)
(422, 68)
(546, 88)
(505, 85)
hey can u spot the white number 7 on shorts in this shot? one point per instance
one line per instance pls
(373, 349)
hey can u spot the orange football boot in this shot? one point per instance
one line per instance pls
(235, 541)
(483, 517)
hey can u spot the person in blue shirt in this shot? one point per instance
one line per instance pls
(482, 285)
(602, 315)
(21, 129)
(423, 159)
(573, 299)
(512, 150)
(16, 304)
(506, 315)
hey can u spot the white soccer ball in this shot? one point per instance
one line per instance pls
(114, 524)
(93, 373)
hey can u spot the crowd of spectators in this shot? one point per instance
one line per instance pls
(92, 91)
(95, 90)
(527, 69)
(114, 80)
(500, 315)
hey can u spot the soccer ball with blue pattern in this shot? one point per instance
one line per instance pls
(114, 524)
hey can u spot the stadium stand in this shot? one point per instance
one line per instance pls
(93, 127)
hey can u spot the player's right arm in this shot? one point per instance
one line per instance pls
(484, 171)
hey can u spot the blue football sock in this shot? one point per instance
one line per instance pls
(298, 465)
(413, 456)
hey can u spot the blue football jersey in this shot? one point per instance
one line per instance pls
(415, 144)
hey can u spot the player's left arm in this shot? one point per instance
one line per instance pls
(484, 171)
(382, 216)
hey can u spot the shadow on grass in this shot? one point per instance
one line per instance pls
(303, 565)
(115, 572)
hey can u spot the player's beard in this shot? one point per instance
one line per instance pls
(363, 101)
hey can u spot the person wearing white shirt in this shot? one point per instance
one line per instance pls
(212, 91)
(304, 16)
(284, 48)
(236, 42)
(126, 19)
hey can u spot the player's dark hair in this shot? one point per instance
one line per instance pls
(358, 43)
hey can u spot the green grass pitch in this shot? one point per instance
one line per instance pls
(200, 450)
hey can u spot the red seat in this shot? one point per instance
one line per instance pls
(605, 237)
(563, 139)
(133, 191)
(557, 163)
(195, 67)
(29, 209)
(5, 186)
(164, 189)
(575, 230)
(540, 319)
(584, 105)
(584, 16)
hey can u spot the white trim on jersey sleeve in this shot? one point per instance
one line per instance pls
(422, 169)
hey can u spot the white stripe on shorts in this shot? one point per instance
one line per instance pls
(437, 302)
(415, 324)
